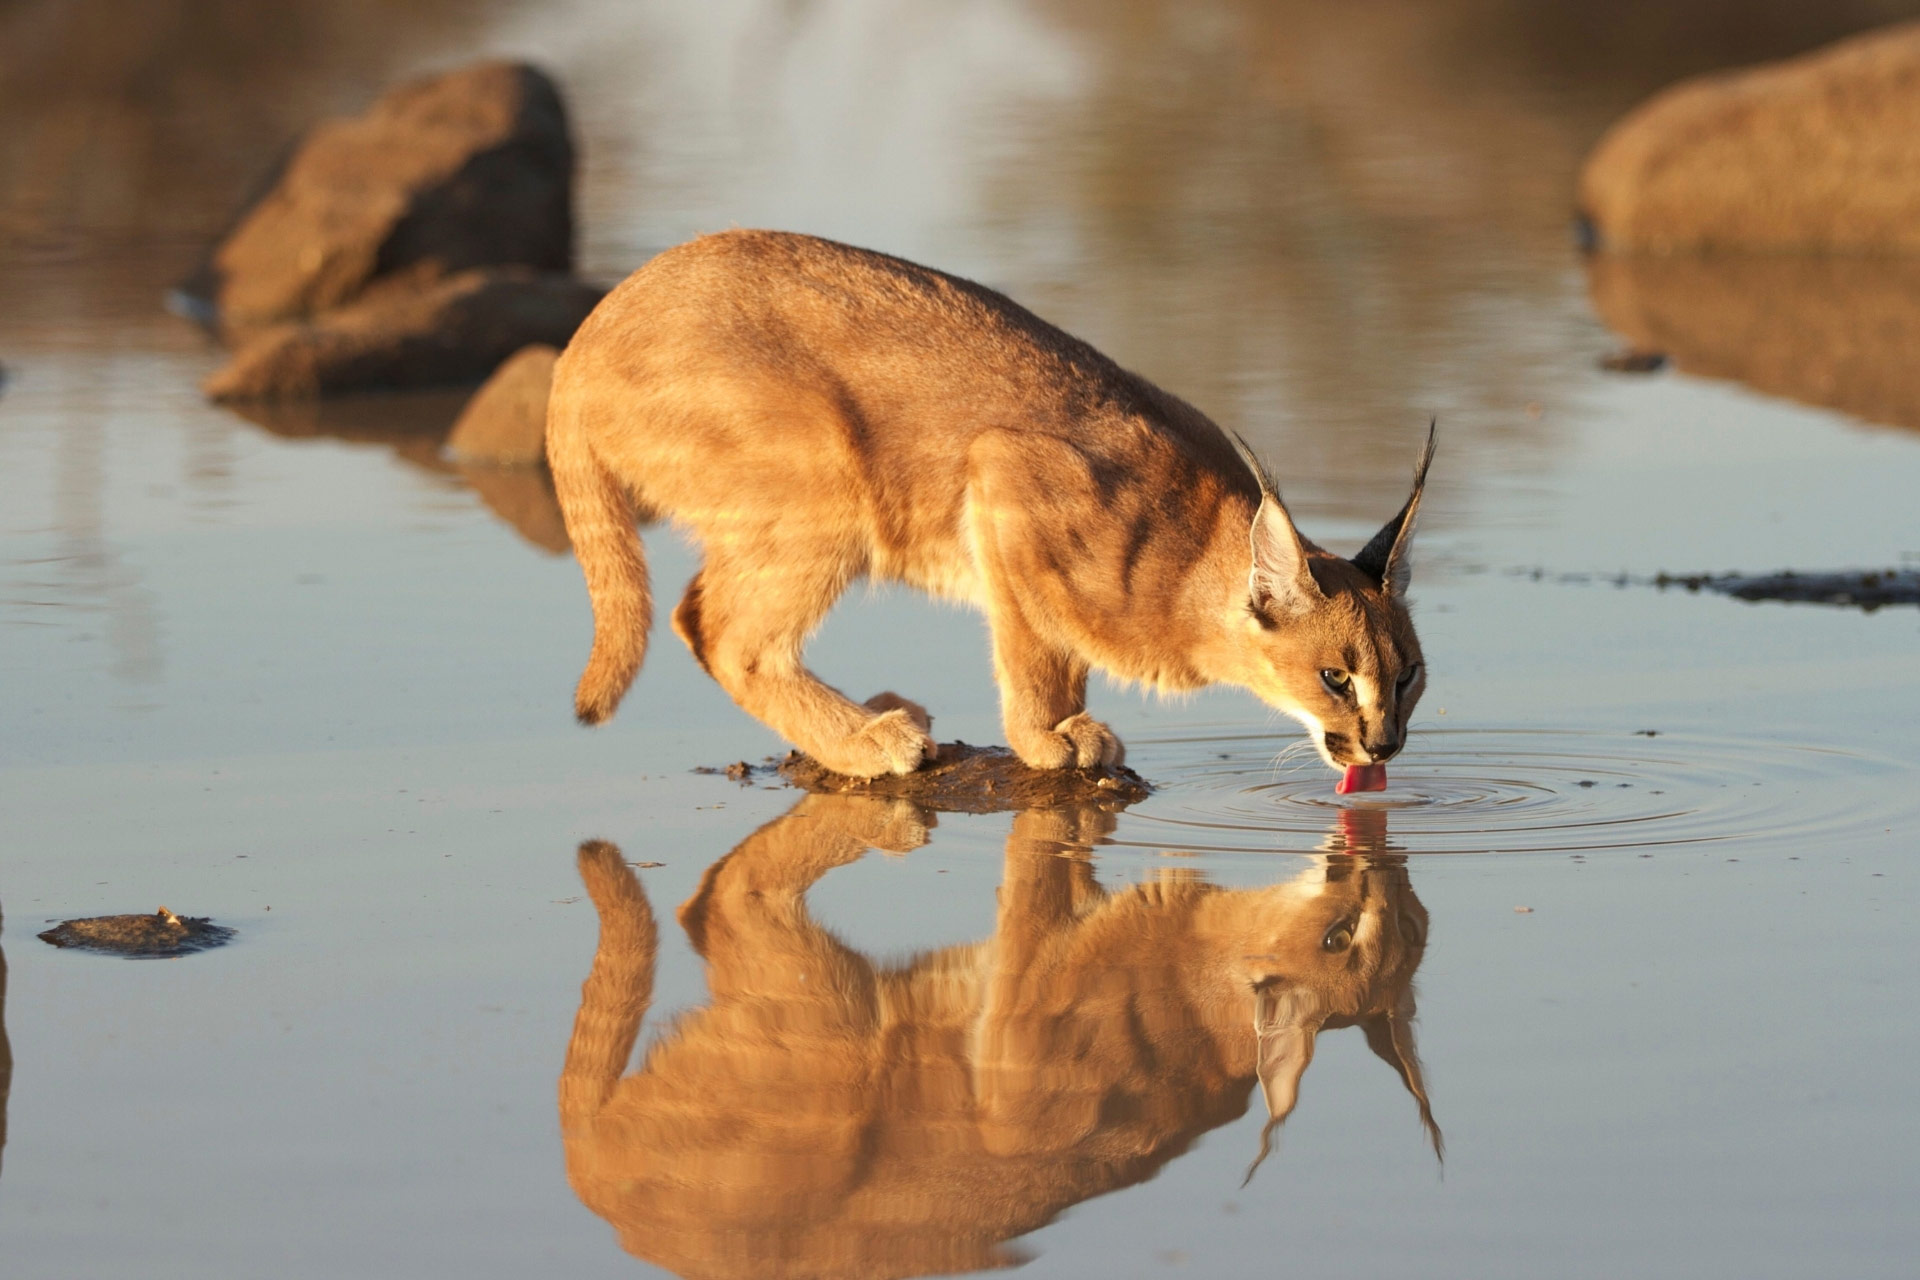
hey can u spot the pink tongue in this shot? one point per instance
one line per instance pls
(1362, 777)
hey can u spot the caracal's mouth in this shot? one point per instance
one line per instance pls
(1362, 777)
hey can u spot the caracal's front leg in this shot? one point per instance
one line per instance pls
(745, 620)
(1043, 700)
(1043, 682)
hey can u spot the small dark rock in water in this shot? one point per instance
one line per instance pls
(739, 771)
(161, 934)
(969, 779)
(1632, 361)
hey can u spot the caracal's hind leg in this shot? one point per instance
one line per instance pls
(747, 619)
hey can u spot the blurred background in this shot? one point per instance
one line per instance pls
(1331, 216)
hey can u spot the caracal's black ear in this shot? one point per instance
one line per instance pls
(1286, 1021)
(1280, 582)
(1390, 1036)
(1386, 558)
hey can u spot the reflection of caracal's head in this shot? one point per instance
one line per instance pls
(824, 1115)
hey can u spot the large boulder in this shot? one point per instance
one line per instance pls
(470, 168)
(397, 336)
(505, 424)
(1817, 153)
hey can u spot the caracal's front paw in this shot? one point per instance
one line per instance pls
(891, 701)
(1093, 743)
(891, 742)
(1078, 742)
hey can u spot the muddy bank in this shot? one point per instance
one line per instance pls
(967, 779)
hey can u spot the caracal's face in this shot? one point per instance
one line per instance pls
(1349, 669)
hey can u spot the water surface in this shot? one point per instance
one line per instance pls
(295, 672)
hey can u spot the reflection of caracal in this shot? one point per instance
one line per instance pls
(825, 1116)
(815, 414)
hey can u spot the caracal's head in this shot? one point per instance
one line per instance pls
(1331, 642)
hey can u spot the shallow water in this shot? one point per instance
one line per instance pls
(300, 675)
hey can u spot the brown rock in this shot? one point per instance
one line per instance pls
(505, 424)
(470, 168)
(969, 779)
(1838, 332)
(161, 934)
(1817, 153)
(395, 337)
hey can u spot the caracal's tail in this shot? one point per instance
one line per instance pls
(601, 520)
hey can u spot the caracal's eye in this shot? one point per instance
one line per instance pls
(1408, 676)
(1338, 938)
(1337, 682)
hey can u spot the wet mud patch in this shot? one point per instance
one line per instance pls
(140, 937)
(1850, 588)
(964, 778)
(1866, 589)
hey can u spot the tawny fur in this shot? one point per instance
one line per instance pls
(814, 414)
(826, 1116)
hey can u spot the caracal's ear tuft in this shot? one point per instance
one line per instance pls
(1387, 559)
(1280, 583)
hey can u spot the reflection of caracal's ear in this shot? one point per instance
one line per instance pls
(1286, 1019)
(1390, 1035)
(1386, 558)
(1280, 582)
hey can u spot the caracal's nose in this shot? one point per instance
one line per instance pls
(1383, 751)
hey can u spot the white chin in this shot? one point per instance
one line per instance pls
(1318, 732)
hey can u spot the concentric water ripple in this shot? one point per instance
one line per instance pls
(1519, 791)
